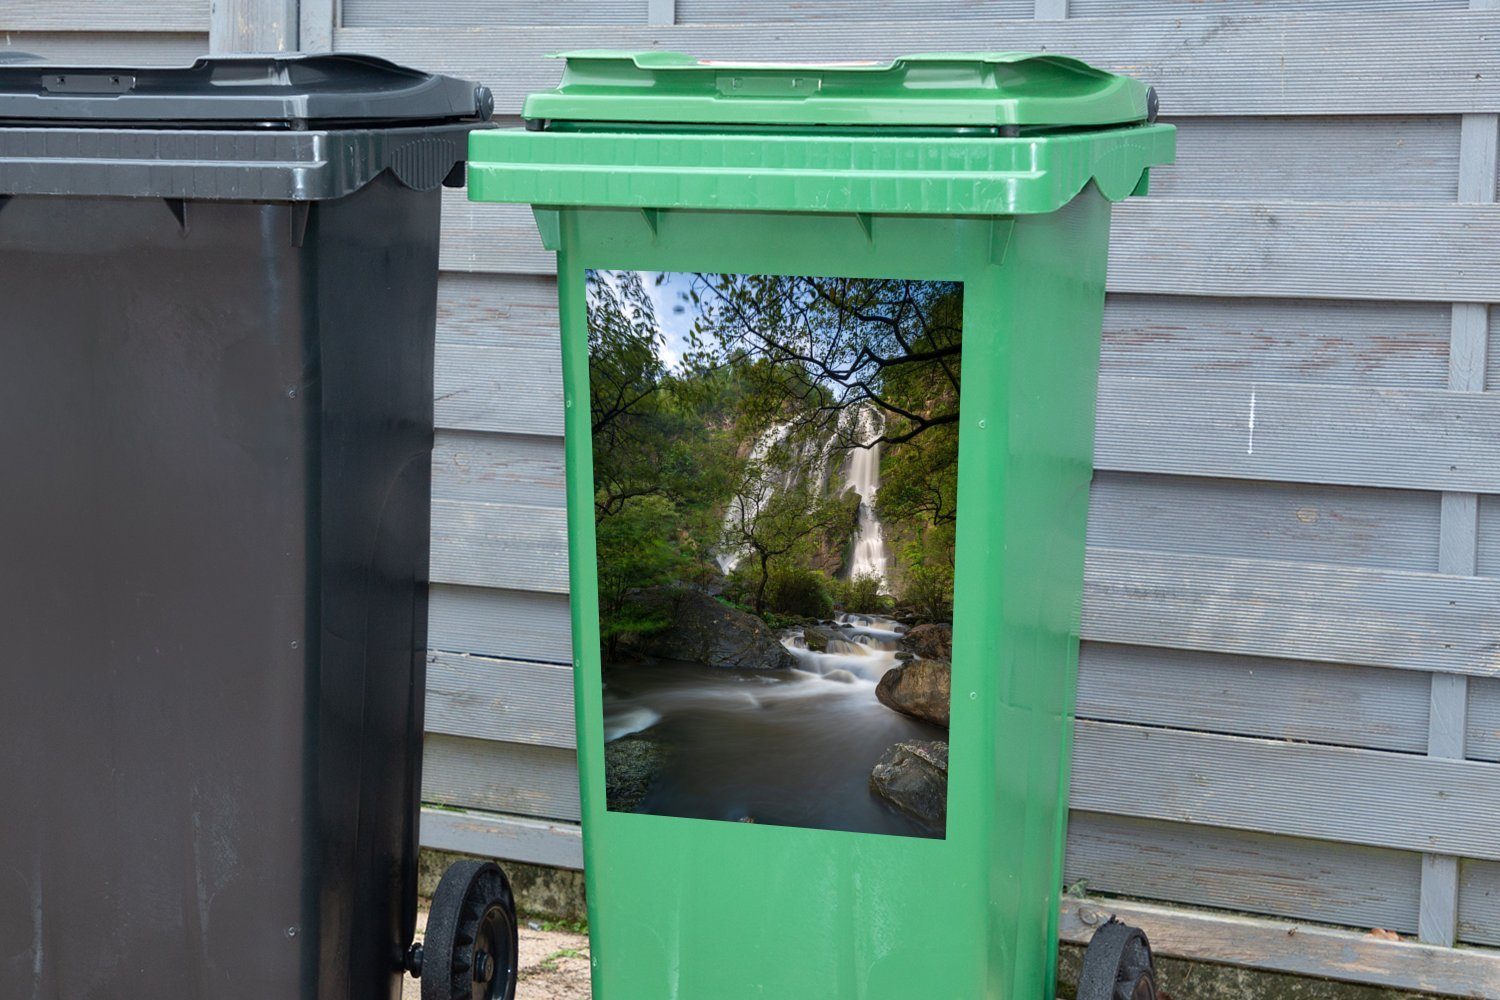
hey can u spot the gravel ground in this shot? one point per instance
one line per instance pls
(554, 965)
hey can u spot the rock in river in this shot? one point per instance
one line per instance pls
(708, 631)
(817, 636)
(919, 688)
(913, 777)
(630, 766)
(933, 642)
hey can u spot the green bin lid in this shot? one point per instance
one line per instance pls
(936, 89)
(1000, 134)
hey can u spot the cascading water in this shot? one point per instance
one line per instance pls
(788, 747)
(744, 510)
(869, 556)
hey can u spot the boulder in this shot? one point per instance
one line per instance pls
(918, 688)
(817, 637)
(708, 631)
(931, 642)
(913, 777)
(631, 764)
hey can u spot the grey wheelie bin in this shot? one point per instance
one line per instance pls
(217, 306)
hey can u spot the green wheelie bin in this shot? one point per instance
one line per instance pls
(830, 340)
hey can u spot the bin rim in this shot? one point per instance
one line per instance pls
(238, 91)
(922, 89)
(873, 173)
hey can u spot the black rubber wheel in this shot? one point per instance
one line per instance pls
(470, 950)
(1117, 965)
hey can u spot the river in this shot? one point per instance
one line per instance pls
(789, 748)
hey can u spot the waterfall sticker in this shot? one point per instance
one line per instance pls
(775, 489)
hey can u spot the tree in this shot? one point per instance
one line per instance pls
(834, 343)
(770, 522)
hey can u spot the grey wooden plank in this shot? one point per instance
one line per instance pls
(509, 838)
(1356, 250)
(1157, 8)
(729, 12)
(514, 547)
(1321, 341)
(523, 702)
(1369, 797)
(1388, 344)
(1257, 607)
(512, 390)
(1437, 912)
(1482, 731)
(516, 624)
(1492, 354)
(1277, 340)
(316, 21)
(1293, 947)
(1477, 174)
(1354, 435)
(1458, 535)
(115, 15)
(497, 310)
(1254, 607)
(1382, 63)
(1250, 872)
(1479, 903)
(1487, 541)
(1367, 707)
(1401, 158)
(500, 777)
(1339, 525)
(117, 48)
(1395, 529)
(1470, 346)
(496, 13)
(1447, 716)
(1181, 246)
(498, 468)
(1458, 540)
(527, 702)
(488, 237)
(253, 26)
(507, 701)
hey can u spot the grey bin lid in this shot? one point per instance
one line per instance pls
(250, 128)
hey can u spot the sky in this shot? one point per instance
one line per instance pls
(673, 316)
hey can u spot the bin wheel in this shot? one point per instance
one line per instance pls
(470, 952)
(1117, 965)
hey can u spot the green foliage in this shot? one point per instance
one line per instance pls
(776, 525)
(638, 549)
(928, 593)
(682, 471)
(862, 593)
(795, 590)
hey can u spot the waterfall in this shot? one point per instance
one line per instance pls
(869, 555)
(742, 510)
(864, 477)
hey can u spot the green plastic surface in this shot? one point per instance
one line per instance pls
(978, 88)
(813, 172)
(722, 911)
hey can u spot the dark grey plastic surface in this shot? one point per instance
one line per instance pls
(216, 406)
(287, 91)
(284, 128)
(217, 434)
